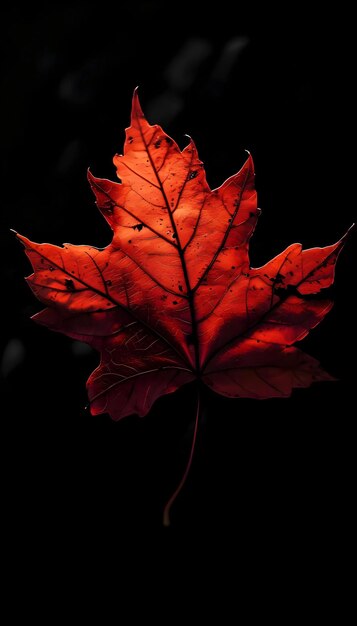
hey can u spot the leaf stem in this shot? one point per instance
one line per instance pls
(166, 515)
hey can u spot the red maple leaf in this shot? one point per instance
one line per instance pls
(173, 297)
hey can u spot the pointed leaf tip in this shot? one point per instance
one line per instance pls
(340, 244)
(90, 176)
(250, 162)
(136, 110)
(21, 238)
(348, 232)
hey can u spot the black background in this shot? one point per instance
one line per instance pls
(276, 472)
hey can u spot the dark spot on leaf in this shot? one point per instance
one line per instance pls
(291, 273)
(157, 143)
(51, 268)
(130, 139)
(233, 267)
(180, 288)
(129, 240)
(246, 274)
(279, 279)
(229, 220)
(138, 227)
(174, 302)
(289, 290)
(192, 174)
(168, 140)
(174, 235)
(109, 283)
(69, 284)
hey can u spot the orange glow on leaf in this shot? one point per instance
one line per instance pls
(173, 298)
